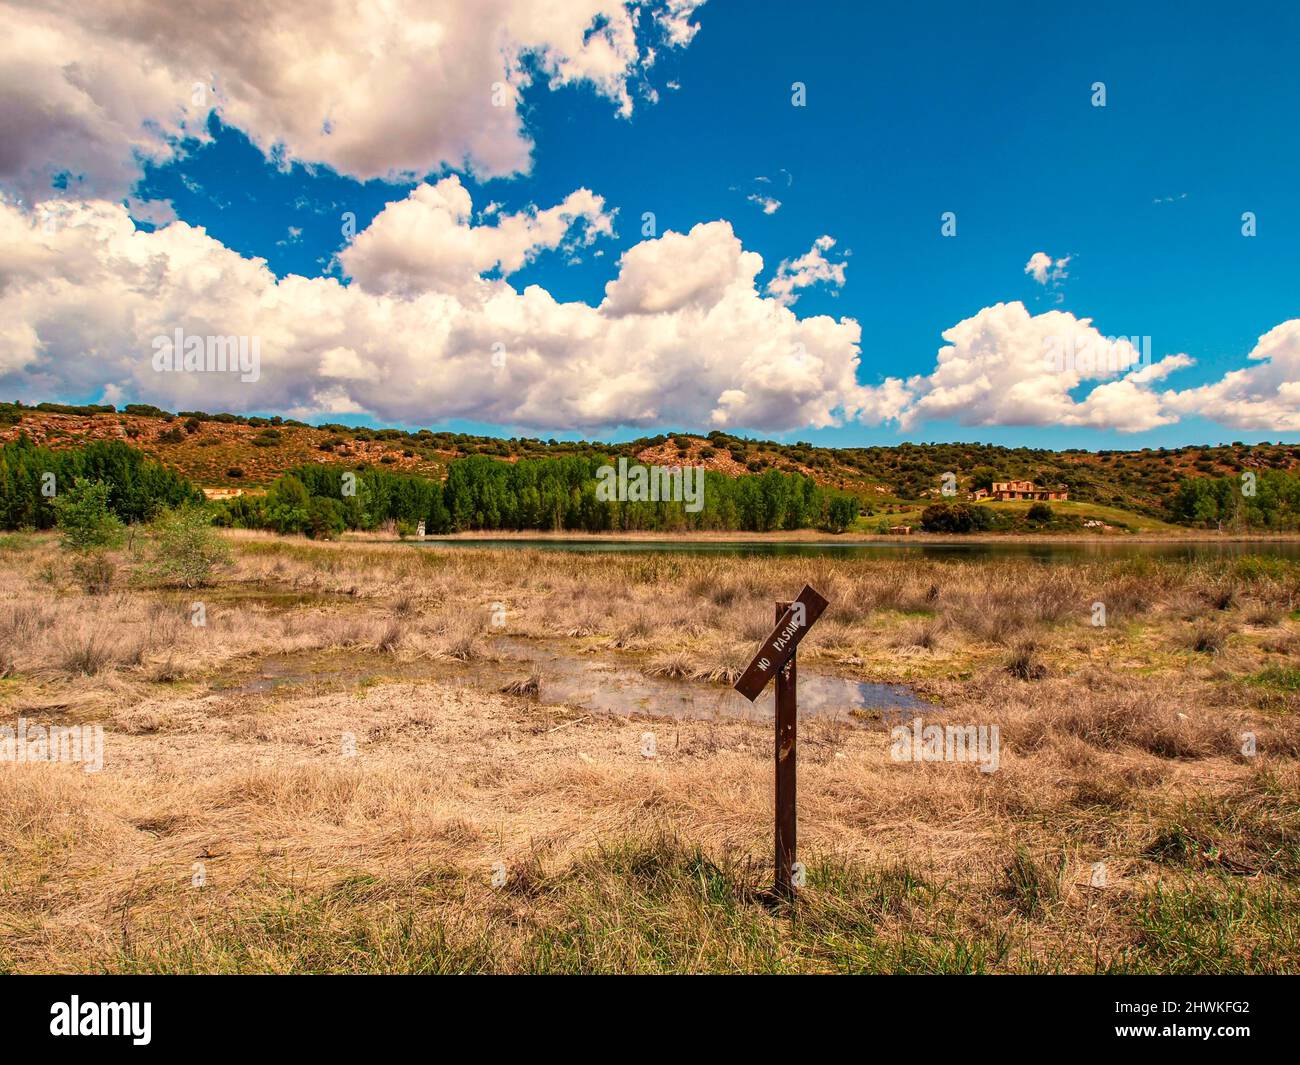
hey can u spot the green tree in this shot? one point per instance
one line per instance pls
(983, 477)
(286, 506)
(841, 512)
(324, 518)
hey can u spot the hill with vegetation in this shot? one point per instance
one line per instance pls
(1139, 489)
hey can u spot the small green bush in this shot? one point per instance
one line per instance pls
(84, 519)
(186, 549)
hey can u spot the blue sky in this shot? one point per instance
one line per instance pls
(912, 110)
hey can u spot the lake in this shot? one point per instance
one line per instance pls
(1041, 550)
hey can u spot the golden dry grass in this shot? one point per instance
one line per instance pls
(1126, 751)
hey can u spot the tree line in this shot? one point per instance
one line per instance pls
(1259, 499)
(481, 493)
(32, 478)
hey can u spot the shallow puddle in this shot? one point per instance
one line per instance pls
(340, 668)
(602, 682)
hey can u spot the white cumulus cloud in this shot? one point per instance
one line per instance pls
(1264, 395)
(682, 337)
(1004, 366)
(425, 242)
(394, 89)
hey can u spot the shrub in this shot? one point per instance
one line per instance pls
(186, 549)
(1039, 513)
(957, 518)
(84, 519)
(948, 518)
(235, 472)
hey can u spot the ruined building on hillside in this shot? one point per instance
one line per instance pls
(1003, 490)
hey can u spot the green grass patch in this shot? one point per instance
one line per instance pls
(1277, 678)
(660, 905)
(1214, 927)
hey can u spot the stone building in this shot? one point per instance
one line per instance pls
(1004, 490)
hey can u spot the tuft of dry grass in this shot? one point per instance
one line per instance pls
(530, 687)
(1207, 637)
(85, 653)
(926, 635)
(1023, 663)
(675, 664)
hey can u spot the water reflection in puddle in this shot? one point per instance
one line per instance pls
(608, 686)
(601, 682)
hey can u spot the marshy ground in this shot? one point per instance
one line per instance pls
(326, 775)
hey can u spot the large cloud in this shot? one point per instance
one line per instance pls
(422, 338)
(391, 89)
(425, 242)
(1262, 396)
(679, 271)
(1004, 366)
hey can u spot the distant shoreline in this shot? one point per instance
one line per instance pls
(812, 536)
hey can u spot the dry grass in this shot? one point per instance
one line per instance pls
(1126, 752)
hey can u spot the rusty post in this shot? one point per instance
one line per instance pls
(787, 724)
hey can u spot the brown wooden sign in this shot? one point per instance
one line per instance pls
(776, 658)
(779, 647)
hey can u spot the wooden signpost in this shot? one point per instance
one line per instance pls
(776, 658)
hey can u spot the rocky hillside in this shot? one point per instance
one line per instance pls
(229, 451)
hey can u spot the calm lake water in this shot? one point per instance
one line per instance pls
(1042, 551)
